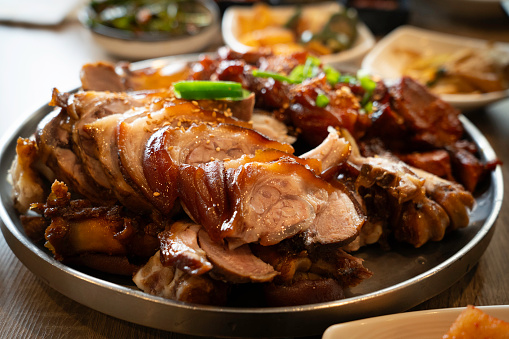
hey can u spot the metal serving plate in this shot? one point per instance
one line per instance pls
(403, 277)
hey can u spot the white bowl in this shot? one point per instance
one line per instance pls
(364, 42)
(385, 61)
(120, 44)
(415, 325)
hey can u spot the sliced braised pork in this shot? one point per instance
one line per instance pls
(267, 202)
(237, 265)
(133, 134)
(172, 283)
(180, 248)
(171, 147)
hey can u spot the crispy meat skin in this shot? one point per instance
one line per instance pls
(170, 147)
(77, 228)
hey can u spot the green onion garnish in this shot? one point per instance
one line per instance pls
(322, 100)
(275, 76)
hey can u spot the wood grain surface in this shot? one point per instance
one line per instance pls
(44, 57)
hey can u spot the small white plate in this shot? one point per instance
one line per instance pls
(364, 42)
(415, 325)
(384, 60)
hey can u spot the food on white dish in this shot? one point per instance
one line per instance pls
(177, 186)
(474, 323)
(264, 28)
(467, 73)
(462, 72)
(325, 29)
(463, 322)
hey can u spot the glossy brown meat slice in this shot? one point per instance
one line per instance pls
(313, 121)
(237, 265)
(309, 276)
(267, 202)
(133, 134)
(180, 248)
(171, 147)
(104, 76)
(78, 228)
(431, 120)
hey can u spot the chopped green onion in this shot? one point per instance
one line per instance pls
(297, 74)
(322, 100)
(365, 80)
(332, 75)
(368, 108)
(275, 76)
(197, 90)
(347, 79)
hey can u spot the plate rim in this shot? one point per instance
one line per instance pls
(240, 318)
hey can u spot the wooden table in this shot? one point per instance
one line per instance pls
(35, 59)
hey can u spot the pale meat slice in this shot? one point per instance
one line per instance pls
(172, 283)
(328, 228)
(333, 150)
(103, 133)
(277, 200)
(88, 107)
(239, 265)
(57, 159)
(27, 185)
(134, 133)
(180, 248)
(171, 147)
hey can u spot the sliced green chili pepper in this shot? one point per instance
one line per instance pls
(197, 90)
(275, 76)
(322, 100)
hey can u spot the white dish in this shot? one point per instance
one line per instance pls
(415, 325)
(384, 60)
(117, 43)
(364, 42)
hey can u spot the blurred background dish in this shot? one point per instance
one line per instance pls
(337, 37)
(381, 16)
(142, 29)
(469, 9)
(468, 73)
(415, 325)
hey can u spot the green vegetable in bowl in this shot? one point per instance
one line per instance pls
(176, 17)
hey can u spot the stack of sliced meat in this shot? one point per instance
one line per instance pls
(190, 198)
